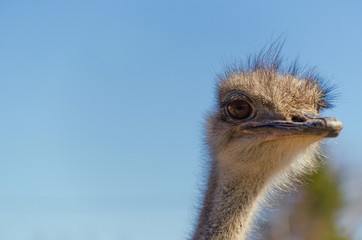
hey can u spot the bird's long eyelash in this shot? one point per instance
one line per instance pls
(235, 96)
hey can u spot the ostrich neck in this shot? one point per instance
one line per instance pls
(228, 205)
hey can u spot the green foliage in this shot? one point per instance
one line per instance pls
(310, 213)
(322, 201)
(324, 194)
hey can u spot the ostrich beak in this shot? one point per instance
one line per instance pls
(324, 127)
(327, 127)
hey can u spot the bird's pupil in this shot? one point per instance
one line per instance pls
(239, 109)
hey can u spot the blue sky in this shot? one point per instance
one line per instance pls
(102, 105)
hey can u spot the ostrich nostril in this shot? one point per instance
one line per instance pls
(298, 119)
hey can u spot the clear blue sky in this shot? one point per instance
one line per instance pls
(102, 105)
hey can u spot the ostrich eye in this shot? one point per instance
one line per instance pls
(239, 109)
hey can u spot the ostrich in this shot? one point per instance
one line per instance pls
(265, 132)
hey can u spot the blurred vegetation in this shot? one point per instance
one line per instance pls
(312, 212)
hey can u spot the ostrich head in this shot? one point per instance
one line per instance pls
(268, 120)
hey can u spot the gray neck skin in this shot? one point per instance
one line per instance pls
(228, 206)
